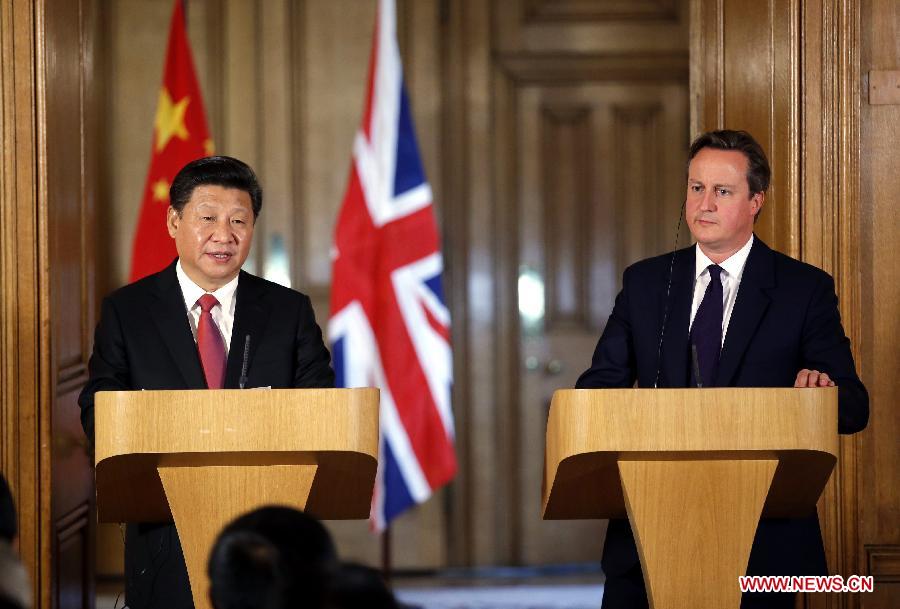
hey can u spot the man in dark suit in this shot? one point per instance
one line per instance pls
(200, 323)
(727, 312)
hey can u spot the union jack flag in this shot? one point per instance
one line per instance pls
(390, 327)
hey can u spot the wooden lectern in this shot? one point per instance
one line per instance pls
(205, 457)
(693, 469)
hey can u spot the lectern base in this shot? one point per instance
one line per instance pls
(694, 562)
(204, 499)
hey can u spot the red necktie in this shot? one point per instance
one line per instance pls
(210, 344)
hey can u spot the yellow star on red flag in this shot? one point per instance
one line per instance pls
(169, 120)
(161, 191)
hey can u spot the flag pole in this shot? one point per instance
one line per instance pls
(386, 554)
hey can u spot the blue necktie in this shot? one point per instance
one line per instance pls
(706, 332)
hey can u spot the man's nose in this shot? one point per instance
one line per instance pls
(708, 202)
(222, 232)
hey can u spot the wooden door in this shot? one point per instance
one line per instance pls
(600, 183)
(572, 137)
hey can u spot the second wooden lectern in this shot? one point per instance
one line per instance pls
(204, 457)
(693, 470)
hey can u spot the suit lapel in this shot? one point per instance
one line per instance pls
(170, 317)
(674, 362)
(749, 308)
(251, 315)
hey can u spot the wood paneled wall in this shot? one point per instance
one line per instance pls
(876, 536)
(745, 69)
(513, 103)
(24, 356)
(794, 72)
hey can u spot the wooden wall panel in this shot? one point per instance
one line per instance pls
(652, 27)
(49, 188)
(24, 360)
(70, 163)
(74, 563)
(566, 165)
(745, 75)
(600, 10)
(879, 300)
(838, 185)
(636, 195)
(830, 205)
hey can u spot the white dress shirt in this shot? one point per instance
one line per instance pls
(222, 314)
(732, 270)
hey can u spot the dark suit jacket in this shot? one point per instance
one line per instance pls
(785, 319)
(144, 341)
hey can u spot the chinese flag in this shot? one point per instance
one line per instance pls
(180, 135)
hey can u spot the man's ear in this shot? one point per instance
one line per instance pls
(173, 218)
(756, 202)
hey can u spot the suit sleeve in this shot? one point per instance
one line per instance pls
(614, 364)
(108, 367)
(312, 357)
(826, 348)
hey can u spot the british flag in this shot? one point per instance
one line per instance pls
(390, 327)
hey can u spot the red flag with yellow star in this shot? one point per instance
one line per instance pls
(180, 135)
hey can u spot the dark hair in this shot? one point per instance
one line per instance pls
(758, 172)
(271, 558)
(219, 171)
(8, 524)
(360, 587)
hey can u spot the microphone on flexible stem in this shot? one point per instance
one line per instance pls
(696, 364)
(662, 330)
(243, 379)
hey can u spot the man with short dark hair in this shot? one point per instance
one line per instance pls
(198, 324)
(727, 312)
(272, 558)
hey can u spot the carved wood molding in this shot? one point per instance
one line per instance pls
(24, 320)
(883, 562)
(830, 203)
(73, 523)
(546, 68)
(506, 137)
(567, 152)
(599, 10)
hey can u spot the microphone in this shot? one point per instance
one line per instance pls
(662, 330)
(243, 379)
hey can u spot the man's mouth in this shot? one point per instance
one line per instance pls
(219, 256)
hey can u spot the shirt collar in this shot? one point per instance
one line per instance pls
(733, 265)
(192, 292)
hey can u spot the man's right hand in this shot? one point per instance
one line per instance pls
(812, 378)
